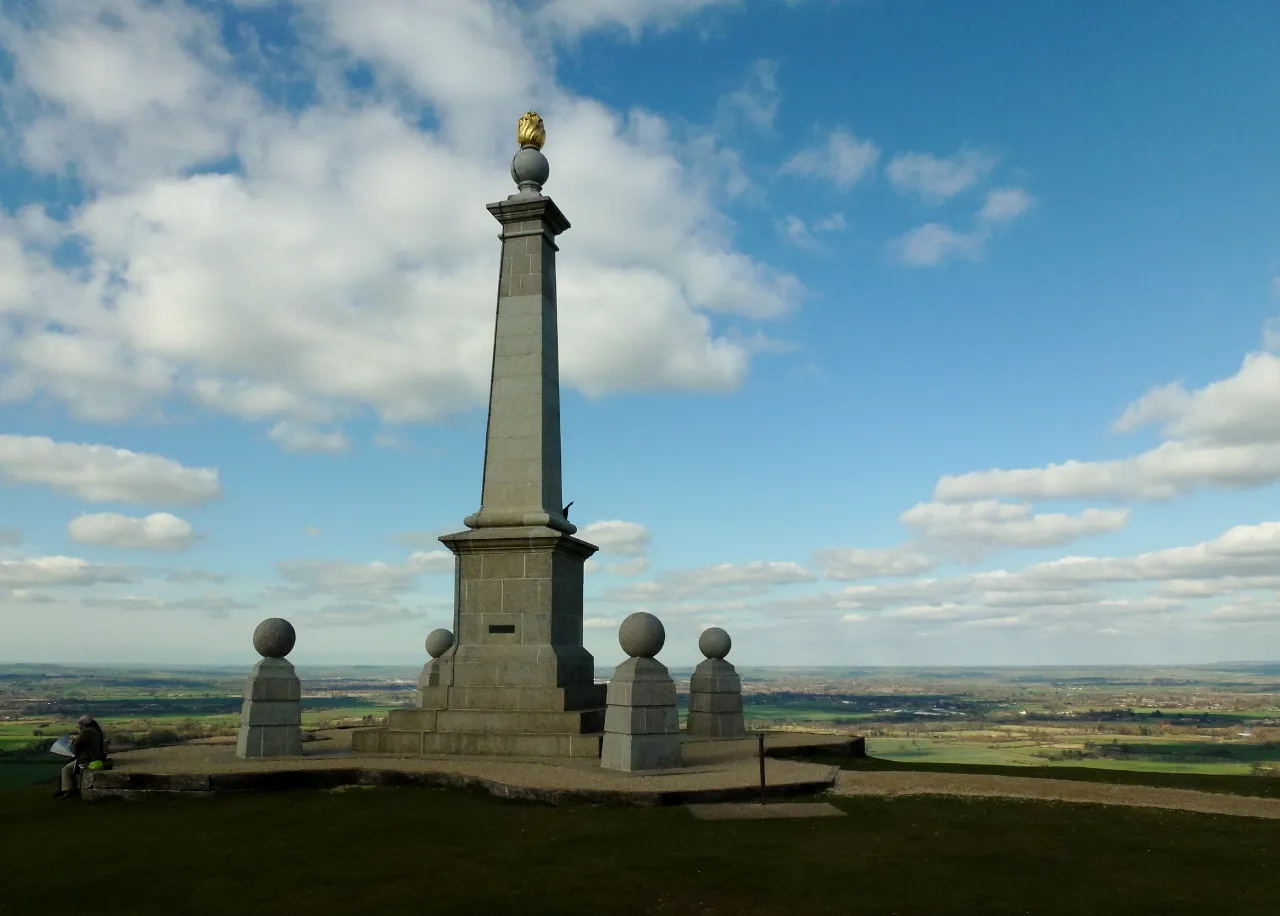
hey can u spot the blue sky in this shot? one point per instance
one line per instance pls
(892, 332)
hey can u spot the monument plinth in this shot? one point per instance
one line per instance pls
(517, 681)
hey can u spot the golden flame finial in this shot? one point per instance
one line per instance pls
(531, 131)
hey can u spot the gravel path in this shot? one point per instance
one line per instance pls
(915, 783)
(709, 765)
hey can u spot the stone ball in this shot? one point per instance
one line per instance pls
(530, 165)
(642, 635)
(714, 643)
(439, 642)
(274, 638)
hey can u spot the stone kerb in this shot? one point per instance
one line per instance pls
(271, 716)
(641, 725)
(715, 691)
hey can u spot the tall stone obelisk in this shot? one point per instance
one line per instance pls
(517, 681)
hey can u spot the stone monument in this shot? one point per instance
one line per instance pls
(517, 681)
(271, 717)
(429, 684)
(641, 726)
(715, 690)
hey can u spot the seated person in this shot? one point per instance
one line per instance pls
(89, 745)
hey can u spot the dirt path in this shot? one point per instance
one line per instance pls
(910, 783)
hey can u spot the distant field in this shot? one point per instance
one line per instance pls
(925, 751)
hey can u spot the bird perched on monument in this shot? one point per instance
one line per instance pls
(565, 511)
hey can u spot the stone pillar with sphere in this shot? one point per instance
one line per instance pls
(641, 725)
(715, 691)
(271, 717)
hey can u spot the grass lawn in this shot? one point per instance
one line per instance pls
(1266, 786)
(20, 775)
(399, 850)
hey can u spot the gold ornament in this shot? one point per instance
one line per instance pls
(531, 131)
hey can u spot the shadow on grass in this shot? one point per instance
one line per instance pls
(395, 850)
(1263, 786)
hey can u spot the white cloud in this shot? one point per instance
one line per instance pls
(852, 563)
(990, 523)
(311, 531)
(842, 159)
(801, 234)
(1004, 205)
(636, 566)
(756, 101)
(574, 17)
(937, 178)
(158, 531)
(1247, 612)
(619, 538)
(37, 571)
(359, 580)
(393, 310)
(293, 436)
(1226, 434)
(215, 606)
(730, 574)
(100, 474)
(933, 243)
(681, 584)
(357, 614)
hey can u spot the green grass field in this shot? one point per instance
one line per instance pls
(1237, 758)
(396, 850)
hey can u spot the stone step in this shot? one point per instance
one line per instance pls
(478, 744)
(578, 722)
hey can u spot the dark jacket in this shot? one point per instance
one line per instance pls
(89, 745)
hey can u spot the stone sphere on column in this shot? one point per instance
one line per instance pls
(530, 168)
(714, 643)
(642, 635)
(274, 638)
(439, 642)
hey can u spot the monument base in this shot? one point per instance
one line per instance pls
(271, 716)
(715, 701)
(518, 683)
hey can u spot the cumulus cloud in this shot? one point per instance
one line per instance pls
(937, 178)
(58, 570)
(752, 578)
(933, 243)
(841, 158)
(158, 531)
(757, 100)
(801, 234)
(852, 563)
(573, 17)
(936, 243)
(293, 436)
(624, 539)
(1004, 205)
(991, 523)
(358, 614)
(215, 606)
(101, 474)
(360, 580)
(194, 179)
(1226, 434)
